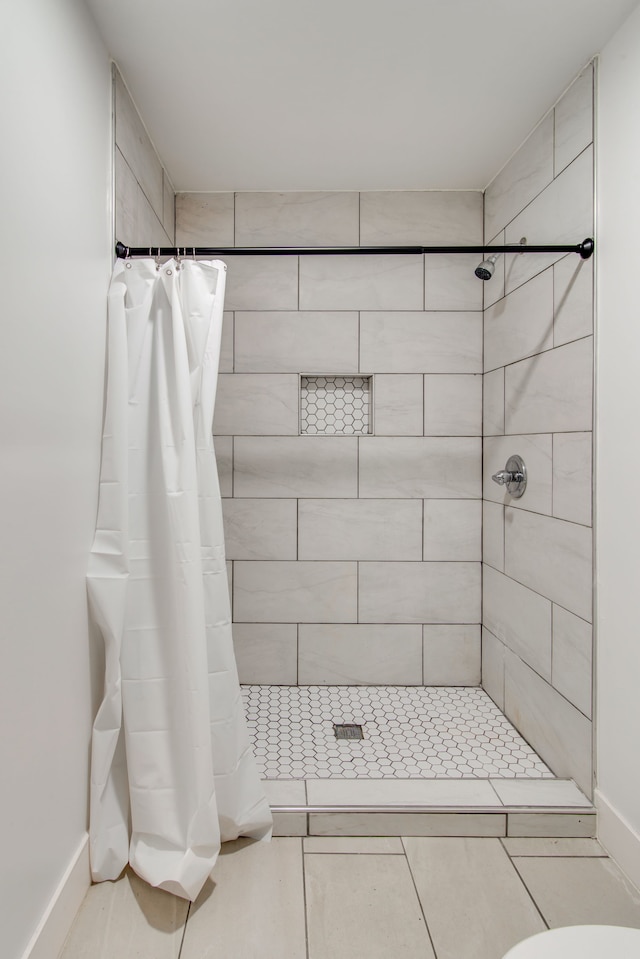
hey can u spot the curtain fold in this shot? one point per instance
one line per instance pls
(173, 774)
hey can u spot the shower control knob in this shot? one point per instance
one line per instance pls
(513, 476)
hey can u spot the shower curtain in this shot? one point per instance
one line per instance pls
(172, 771)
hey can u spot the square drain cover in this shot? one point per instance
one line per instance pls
(348, 731)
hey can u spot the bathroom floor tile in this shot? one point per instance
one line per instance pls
(409, 732)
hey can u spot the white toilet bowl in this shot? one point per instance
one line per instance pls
(580, 942)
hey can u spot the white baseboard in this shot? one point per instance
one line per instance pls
(619, 838)
(53, 928)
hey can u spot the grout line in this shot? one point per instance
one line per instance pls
(424, 916)
(184, 930)
(528, 891)
(304, 891)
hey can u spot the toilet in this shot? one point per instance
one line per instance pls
(580, 942)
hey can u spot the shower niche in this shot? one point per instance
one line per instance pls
(336, 405)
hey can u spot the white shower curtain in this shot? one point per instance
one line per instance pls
(172, 771)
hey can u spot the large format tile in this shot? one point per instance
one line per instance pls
(574, 120)
(562, 213)
(572, 665)
(204, 219)
(226, 344)
(553, 847)
(551, 392)
(535, 450)
(493, 289)
(224, 461)
(518, 617)
(360, 655)
(573, 299)
(493, 534)
(296, 219)
(421, 342)
(452, 529)
(580, 891)
(136, 147)
(266, 653)
(262, 283)
(421, 217)
(388, 845)
(257, 881)
(552, 557)
(360, 906)
(290, 466)
(450, 282)
(401, 792)
(493, 403)
(398, 404)
(293, 342)
(295, 592)
(361, 282)
(524, 176)
(572, 477)
(260, 528)
(285, 792)
(419, 592)
(474, 904)
(493, 654)
(136, 222)
(360, 529)
(432, 467)
(127, 919)
(549, 824)
(520, 324)
(559, 733)
(541, 792)
(257, 404)
(453, 405)
(407, 824)
(452, 654)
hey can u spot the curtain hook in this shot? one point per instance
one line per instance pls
(193, 252)
(157, 258)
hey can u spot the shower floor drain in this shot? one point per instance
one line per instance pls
(348, 731)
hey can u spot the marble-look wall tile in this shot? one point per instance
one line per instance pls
(451, 283)
(493, 534)
(361, 282)
(360, 655)
(535, 450)
(136, 222)
(419, 593)
(552, 557)
(572, 477)
(518, 617)
(226, 344)
(257, 404)
(574, 120)
(563, 213)
(453, 405)
(559, 732)
(360, 529)
(398, 404)
(431, 467)
(266, 653)
(573, 299)
(136, 147)
(260, 528)
(288, 466)
(297, 219)
(262, 283)
(493, 653)
(224, 460)
(452, 529)
(168, 207)
(452, 655)
(204, 219)
(528, 172)
(421, 342)
(295, 592)
(493, 289)
(551, 392)
(423, 218)
(520, 324)
(572, 666)
(295, 342)
(493, 403)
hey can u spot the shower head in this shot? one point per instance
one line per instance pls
(484, 270)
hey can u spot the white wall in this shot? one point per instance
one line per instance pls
(618, 450)
(55, 176)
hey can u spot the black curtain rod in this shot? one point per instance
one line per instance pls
(585, 249)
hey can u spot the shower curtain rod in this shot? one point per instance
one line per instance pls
(585, 249)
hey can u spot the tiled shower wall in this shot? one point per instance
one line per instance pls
(355, 559)
(538, 361)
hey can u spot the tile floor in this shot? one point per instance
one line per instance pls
(421, 732)
(351, 898)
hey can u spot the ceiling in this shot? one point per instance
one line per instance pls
(347, 94)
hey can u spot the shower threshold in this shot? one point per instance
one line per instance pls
(438, 761)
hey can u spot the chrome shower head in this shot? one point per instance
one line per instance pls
(484, 270)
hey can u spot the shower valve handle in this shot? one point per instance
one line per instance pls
(507, 476)
(513, 476)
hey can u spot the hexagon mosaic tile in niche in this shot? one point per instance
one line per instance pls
(409, 732)
(335, 404)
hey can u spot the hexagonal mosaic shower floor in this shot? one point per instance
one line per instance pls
(422, 732)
